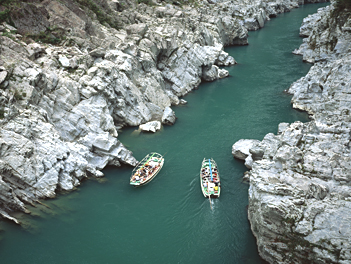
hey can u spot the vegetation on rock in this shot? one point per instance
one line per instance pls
(342, 6)
(102, 12)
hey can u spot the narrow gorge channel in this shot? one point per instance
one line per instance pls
(169, 221)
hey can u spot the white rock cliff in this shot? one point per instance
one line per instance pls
(300, 191)
(61, 105)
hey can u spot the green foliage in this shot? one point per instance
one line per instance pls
(102, 16)
(2, 113)
(7, 34)
(9, 6)
(4, 15)
(7, 2)
(146, 2)
(194, 3)
(17, 96)
(49, 36)
(342, 5)
(190, 2)
(313, 44)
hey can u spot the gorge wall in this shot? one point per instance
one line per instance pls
(72, 73)
(300, 179)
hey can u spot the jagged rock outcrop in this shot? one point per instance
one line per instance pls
(70, 76)
(168, 117)
(151, 126)
(300, 185)
(241, 150)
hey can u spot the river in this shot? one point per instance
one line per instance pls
(169, 220)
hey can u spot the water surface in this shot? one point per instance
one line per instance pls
(169, 220)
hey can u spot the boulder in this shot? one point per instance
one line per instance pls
(241, 148)
(168, 117)
(151, 126)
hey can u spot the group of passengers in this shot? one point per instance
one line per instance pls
(144, 172)
(205, 173)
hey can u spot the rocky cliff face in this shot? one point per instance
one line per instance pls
(73, 72)
(300, 191)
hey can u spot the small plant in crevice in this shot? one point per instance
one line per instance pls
(7, 7)
(343, 4)
(101, 15)
(146, 2)
(342, 8)
(18, 96)
(47, 37)
(4, 15)
(2, 112)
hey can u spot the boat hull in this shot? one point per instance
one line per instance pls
(146, 164)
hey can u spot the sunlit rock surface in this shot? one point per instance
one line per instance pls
(61, 103)
(300, 184)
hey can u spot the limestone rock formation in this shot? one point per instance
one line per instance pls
(151, 126)
(71, 75)
(168, 117)
(300, 191)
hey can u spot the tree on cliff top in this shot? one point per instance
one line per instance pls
(343, 5)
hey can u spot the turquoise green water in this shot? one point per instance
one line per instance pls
(169, 220)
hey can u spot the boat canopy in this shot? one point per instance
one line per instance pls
(209, 162)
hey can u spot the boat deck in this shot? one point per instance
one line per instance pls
(146, 169)
(210, 181)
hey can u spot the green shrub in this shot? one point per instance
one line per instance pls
(147, 2)
(2, 113)
(102, 16)
(17, 96)
(8, 7)
(4, 15)
(47, 37)
(341, 5)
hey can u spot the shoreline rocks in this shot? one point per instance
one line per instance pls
(68, 82)
(151, 126)
(300, 189)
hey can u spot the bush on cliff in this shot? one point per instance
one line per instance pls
(102, 11)
(343, 5)
(5, 9)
